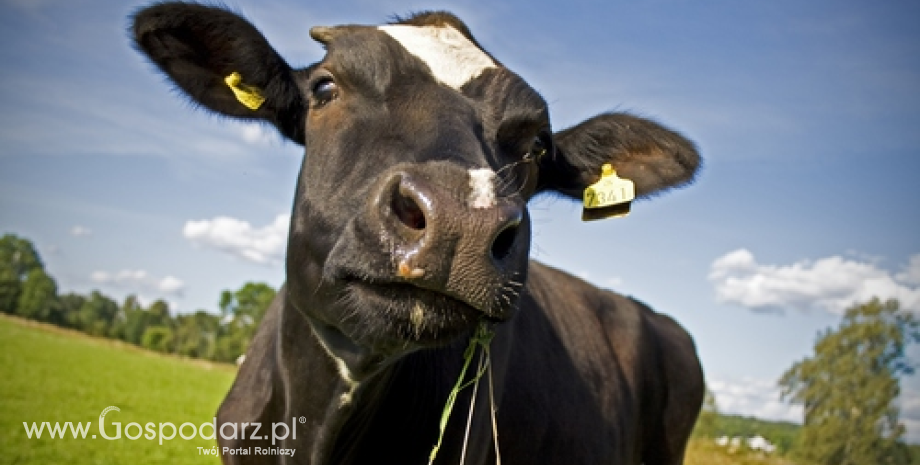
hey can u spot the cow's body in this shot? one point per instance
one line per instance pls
(410, 232)
(582, 376)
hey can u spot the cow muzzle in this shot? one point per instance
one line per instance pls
(432, 250)
(451, 231)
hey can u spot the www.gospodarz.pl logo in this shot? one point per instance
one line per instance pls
(165, 431)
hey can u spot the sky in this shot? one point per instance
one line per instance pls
(807, 115)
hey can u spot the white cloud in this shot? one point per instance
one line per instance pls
(139, 281)
(258, 134)
(171, 285)
(831, 284)
(265, 245)
(911, 273)
(754, 397)
(80, 231)
(123, 277)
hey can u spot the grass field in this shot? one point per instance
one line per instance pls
(48, 374)
(54, 375)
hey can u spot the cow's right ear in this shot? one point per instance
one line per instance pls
(222, 62)
(654, 157)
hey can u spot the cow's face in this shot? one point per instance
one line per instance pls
(421, 153)
(410, 222)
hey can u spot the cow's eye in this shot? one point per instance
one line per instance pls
(324, 91)
(538, 148)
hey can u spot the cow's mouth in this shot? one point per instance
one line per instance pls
(404, 312)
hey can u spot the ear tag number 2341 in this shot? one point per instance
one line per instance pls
(610, 197)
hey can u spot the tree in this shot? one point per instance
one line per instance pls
(38, 298)
(158, 338)
(71, 303)
(96, 314)
(243, 310)
(251, 301)
(229, 347)
(849, 386)
(10, 287)
(119, 324)
(137, 319)
(125, 324)
(17, 258)
(196, 334)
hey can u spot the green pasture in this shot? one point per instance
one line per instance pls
(52, 375)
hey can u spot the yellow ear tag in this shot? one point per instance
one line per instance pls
(610, 197)
(250, 96)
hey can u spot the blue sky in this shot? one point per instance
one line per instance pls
(807, 115)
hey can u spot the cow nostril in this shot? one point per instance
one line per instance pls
(504, 241)
(408, 211)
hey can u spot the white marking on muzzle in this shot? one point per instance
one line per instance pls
(482, 188)
(453, 59)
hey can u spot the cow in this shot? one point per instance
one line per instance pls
(409, 255)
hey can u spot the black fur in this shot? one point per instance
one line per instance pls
(652, 156)
(198, 46)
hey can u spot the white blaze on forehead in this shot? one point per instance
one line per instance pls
(453, 59)
(482, 188)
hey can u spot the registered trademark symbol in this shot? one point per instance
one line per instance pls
(303, 420)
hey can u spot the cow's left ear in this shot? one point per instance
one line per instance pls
(653, 157)
(222, 62)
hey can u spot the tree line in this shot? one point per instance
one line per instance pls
(28, 291)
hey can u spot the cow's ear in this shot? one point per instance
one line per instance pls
(653, 157)
(222, 62)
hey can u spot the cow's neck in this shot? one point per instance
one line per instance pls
(353, 405)
(309, 382)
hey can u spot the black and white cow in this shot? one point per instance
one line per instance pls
(410, 228)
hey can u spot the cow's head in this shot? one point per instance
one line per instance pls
(410, 222)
